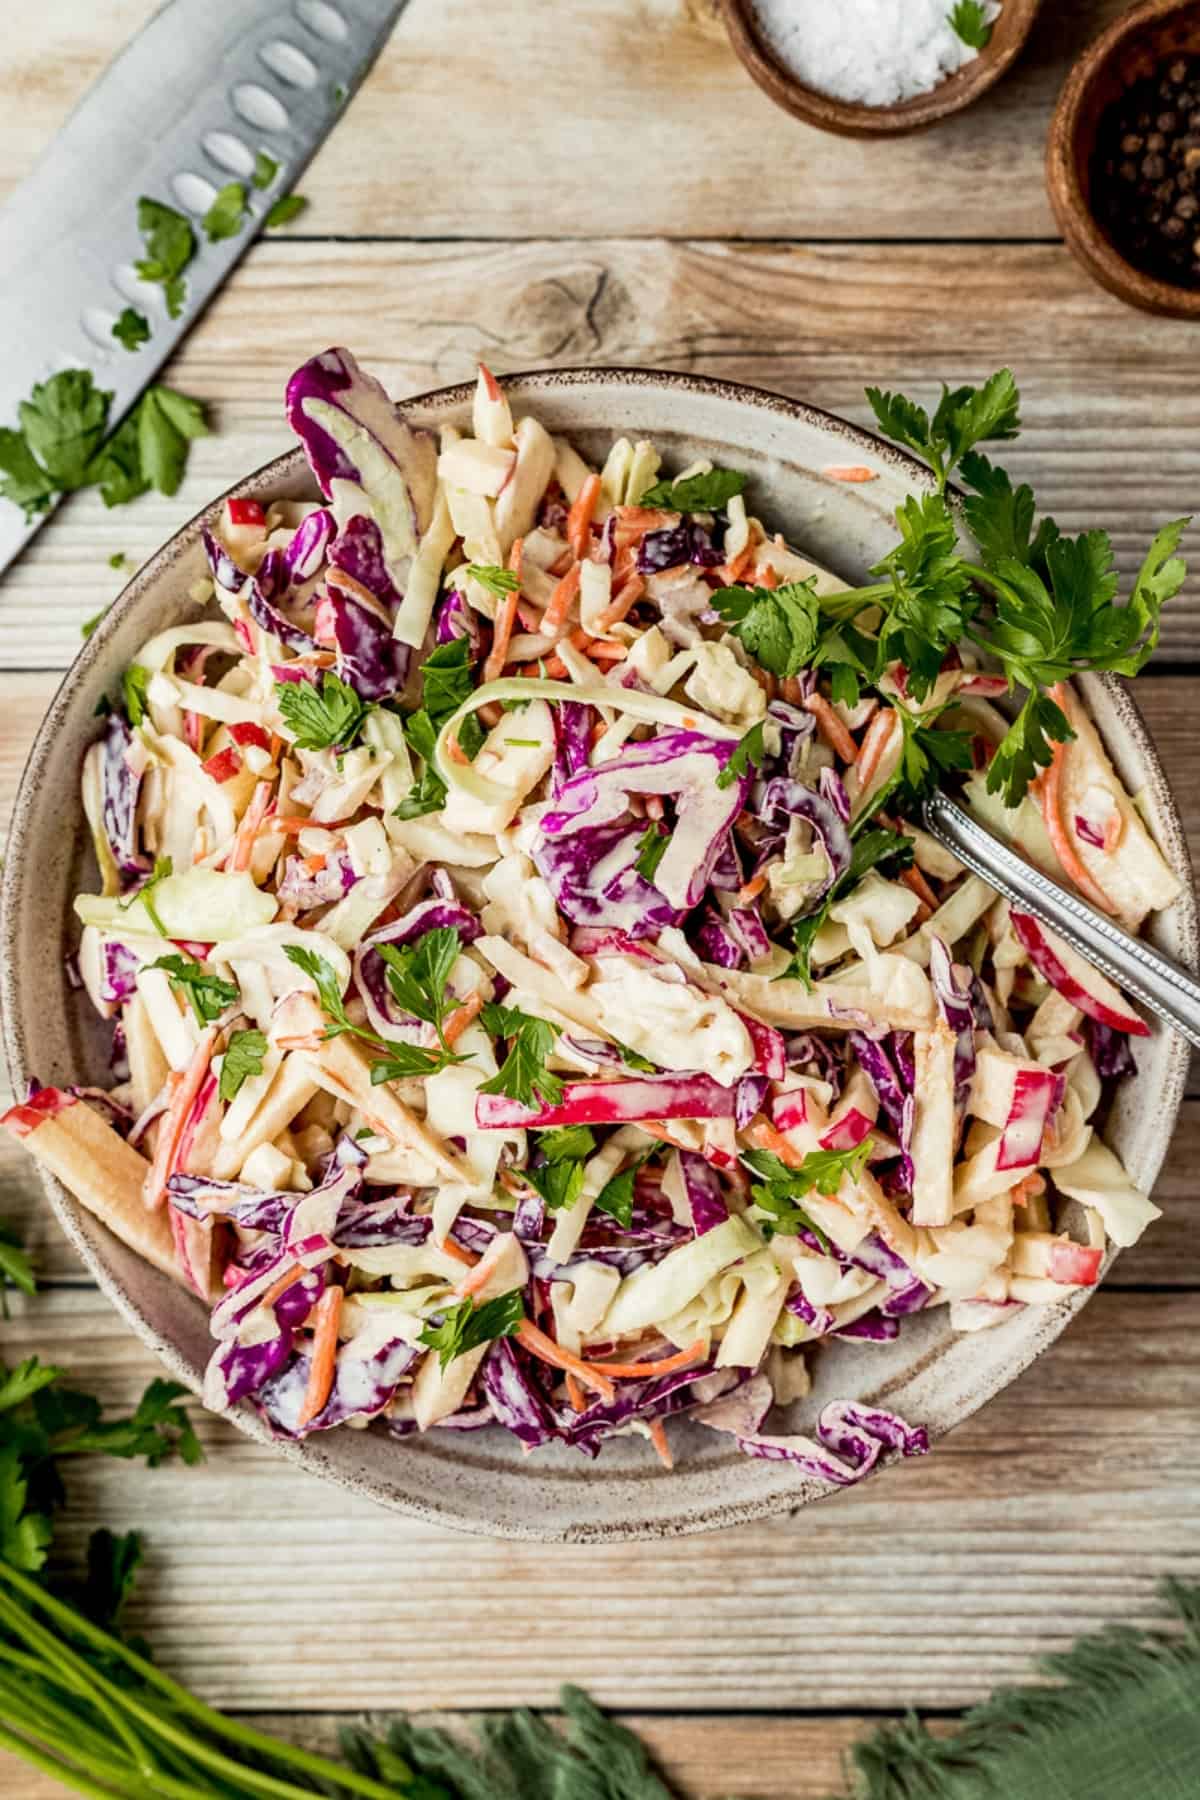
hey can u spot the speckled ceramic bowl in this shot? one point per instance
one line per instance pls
(482, 1481)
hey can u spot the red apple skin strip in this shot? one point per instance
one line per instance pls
(106, 1176)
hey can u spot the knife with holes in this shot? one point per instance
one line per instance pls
(186, 107)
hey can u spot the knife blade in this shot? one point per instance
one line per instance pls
(186, 107)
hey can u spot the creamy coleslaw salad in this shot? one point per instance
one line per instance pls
(530, 1010)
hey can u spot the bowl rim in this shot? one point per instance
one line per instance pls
(311, 1454)
(1091, 246)
(855, 118)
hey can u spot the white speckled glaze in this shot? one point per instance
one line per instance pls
(482, 1481)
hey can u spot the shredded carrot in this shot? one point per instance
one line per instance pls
(286, 1280)
(461, 1017)
(314, 864)
(736, 567)
(455, 751)
(1114, 830)
(552, 667)
(831, 728)
(666, 1365)
(1049, 793)
(658, 1437)
(765, 1137)
(506, 618)
(852, 472)
(1027, 1189)
(456, 1253)
(767, 576)
(477, 1277)
(597, 732)
(575, 1394)
(579, 519)
(631, 592)
(184, 1088)
(555, 615)
(792, 691)
(600, 650)
(249, 828)
(749, 894)
(874, 746)
(633, 522)
(290, 826)
(547, 1351)
(324, 1354)
(914, 879)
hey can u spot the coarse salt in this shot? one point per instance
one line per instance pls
(872, 51)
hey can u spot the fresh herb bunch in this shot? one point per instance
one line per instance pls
(1043, 605)
(63, 441)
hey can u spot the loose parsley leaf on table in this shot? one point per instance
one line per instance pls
(170, 246)
(779, 626)
(523, 1075)
(63, 423)
(226, 215)
(969, 21)
(265, 170)
(166, 423)
(468, 1325)
(16, 1270)
(132, 329)
(320, 718)
(289, 207)
(696, 493)
(244, 1055)
(208, 994)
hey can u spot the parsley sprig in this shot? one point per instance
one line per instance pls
(969, 22)
(207, 994)
(468, 1325)
(322, 718)
(244, 1057)
(446, 681)
(696, 493)
(417, 975)
(779, 626)
(523, 1074)
(780, 1188)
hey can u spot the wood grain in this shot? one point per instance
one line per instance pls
(789, 1758)
(639, 121)
(1056, 1508)
(816, 321)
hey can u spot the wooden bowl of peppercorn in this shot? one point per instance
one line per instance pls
(1123, 158)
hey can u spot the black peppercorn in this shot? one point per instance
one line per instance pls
(1145, 174)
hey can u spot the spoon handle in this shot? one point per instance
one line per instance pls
(1161, 984)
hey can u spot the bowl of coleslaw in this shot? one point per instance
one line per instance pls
(516, 1054)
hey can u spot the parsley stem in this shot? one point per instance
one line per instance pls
(21, 1747)
(848, 602)
(182, 1701)
(71, 1674)
(43, 1720)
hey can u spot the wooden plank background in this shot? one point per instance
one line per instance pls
(619, 192)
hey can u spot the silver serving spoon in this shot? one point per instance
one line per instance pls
(1162, 986)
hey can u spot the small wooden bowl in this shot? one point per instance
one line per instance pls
(850, 118)
(1132, 48)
